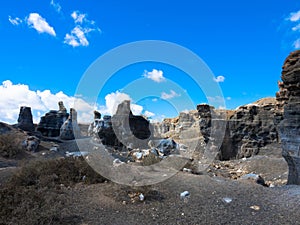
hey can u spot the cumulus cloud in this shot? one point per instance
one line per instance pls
(13, 96)
(79, 17)
(219, 79)
(155, 75)
(77, 37)
(83, 26)
(15, 21)
(171, 95)
(149, 114)
(56, 6)
(40, 24)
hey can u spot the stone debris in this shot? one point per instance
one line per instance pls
(255, 207)
(117, 162)
(31, 143)
(184, 195)
(254, 177)
(76, 154)
(141, 197)
(227, 200)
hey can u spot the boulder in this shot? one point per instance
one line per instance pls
(51, 123)
(289, 128)
(70, 129)
(25, 119)
(31, 143)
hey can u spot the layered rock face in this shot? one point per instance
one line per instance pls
(289, 95)
(25, 119)
(51, 123)
(247, 129)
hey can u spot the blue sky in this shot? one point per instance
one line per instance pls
(46, 47)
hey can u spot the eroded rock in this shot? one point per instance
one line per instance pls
(25, 121)
(70, 129)
(289, 95)
(51, 123)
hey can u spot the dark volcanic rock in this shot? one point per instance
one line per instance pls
(123, 128)
(289, 94)
(25, 119)
(51, 123)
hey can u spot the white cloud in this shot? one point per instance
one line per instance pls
(83, 26)
(294, 16)
(78, 17)
(15, 21)
(228, 98)
(219, 79)
(12, 96)
(77, 37)
(149, 114)
(297, 43)
(113, 99)
(171, 95)
(295, 28)
(56, 6)
(155, 75)
(39, 24)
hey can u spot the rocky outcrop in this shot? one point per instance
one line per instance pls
(248, 128)
(289, 96)
(70, 129)
(123, 128)
(51, 123)
(25, 119)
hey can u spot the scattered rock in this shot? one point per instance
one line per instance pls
(184, 194)
(254, 177)
(227, 200)
(31, 143)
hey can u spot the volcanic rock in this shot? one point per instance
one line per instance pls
(51, 123)
(123, 128)
(70, 129)
(25, 119)
(289, 95)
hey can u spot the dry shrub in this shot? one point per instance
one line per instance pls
(35, 194)
(10, 145)
(50, 173)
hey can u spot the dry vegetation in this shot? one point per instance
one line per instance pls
(36, 193)
(10, 145)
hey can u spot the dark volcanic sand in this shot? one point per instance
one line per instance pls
(103, 203)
